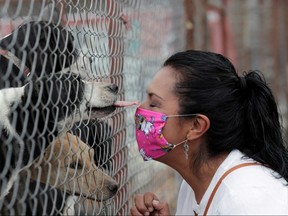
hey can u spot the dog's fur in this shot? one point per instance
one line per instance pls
(98, 135)
(68, 164)
(51, 105)
(43, 47)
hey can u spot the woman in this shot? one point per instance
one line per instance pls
(221, 132)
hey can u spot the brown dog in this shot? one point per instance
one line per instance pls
(68, 165)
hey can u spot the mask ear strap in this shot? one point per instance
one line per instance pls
(185, 115)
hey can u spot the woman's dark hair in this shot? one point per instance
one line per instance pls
(242, 110)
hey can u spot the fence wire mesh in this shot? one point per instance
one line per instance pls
(65, 149)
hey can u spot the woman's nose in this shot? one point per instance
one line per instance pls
(143, 105)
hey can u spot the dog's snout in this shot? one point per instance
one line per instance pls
(113, 188)
(113, 88)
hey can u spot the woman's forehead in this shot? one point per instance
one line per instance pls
(163, 82)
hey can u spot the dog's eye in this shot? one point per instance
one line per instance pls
(75, 165)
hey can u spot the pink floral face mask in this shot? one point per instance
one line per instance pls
(149, 125)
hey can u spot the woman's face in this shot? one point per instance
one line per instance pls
(161, 98)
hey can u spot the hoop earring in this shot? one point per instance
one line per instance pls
(186, 149)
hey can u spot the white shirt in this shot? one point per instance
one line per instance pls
(246, 191)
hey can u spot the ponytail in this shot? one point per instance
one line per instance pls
(263, 134)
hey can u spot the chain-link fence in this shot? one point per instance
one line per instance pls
(67, 144)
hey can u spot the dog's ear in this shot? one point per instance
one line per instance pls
(51, 13)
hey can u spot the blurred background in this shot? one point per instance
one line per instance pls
(253, 34)
(130, 39)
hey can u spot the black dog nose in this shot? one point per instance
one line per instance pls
(113, 188)
(113, 88)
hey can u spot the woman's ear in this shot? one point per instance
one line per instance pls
(200, 124)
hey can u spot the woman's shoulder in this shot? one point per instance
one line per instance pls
(256, 175)
(258, 178)
(249, 189)
(252, 198)
(254, 190)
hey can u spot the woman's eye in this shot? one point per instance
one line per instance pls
(152, 105)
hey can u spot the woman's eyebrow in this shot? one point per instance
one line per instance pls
(150, 94)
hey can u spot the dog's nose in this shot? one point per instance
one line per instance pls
(113, 188)
(113, 88)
